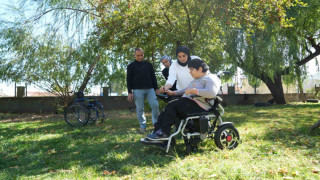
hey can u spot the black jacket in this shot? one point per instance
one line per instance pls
(140, 75)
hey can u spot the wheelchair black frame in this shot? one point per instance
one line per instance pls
(209, 116)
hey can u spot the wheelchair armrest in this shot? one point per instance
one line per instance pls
(80, 99)
(167, 98)
(92, 98)
(214, 102)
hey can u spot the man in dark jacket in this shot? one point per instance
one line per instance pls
(141, 84)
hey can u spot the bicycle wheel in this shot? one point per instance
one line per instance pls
(227, 136)
(76, 115)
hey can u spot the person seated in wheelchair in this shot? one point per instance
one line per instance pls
(205, 85)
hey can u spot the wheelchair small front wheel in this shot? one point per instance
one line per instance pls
(227, 136)
(101, 113)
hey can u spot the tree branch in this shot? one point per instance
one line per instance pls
(89, 73)
(313, 43)
(188, 18)
(166, 16)
(37, 17)
(200, 20)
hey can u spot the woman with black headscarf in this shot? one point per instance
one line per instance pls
(179, 70)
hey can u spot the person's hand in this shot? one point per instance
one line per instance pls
(170, 93)
(167, 87)
(130, 97)
(157, 91)
(190, 91)
(162, 90)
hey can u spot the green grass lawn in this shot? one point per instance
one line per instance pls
(276, 144)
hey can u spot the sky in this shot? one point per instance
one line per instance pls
(8, 88)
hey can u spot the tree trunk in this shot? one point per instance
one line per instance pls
(315, 126)
(276, 88)
(88, 75)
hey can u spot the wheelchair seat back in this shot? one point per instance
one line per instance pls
(79, 95)
(92, 101)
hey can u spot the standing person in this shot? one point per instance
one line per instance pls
(179, 71)
(166, 61)
(142, 84)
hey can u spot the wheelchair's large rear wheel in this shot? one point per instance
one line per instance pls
(227, 136)
(76, 115)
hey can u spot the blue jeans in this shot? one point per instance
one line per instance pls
(139, 96)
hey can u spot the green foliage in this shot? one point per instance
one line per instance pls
(253, 81)
(265, 38)
(160, 26)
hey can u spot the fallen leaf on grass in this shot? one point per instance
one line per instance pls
(287, 177)
(282, 171)
(15, 157)
(256, 170)
(296, 173)
(115, 147)
(106, 172)
(51, 151)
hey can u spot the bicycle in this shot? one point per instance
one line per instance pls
(83, 111)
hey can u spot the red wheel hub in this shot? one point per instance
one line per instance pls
(229, 138)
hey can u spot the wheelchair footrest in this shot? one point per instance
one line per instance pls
(161, 144)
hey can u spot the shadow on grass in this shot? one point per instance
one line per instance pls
(113, 146)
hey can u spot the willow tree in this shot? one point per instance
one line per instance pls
(45, 61)
(56, 46)
(276, 47)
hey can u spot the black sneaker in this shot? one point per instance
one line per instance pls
(158, 135)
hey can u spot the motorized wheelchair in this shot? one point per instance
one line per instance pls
(199, 126)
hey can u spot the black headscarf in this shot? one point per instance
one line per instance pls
(185, 50)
